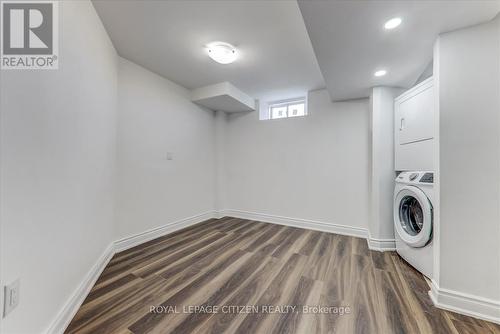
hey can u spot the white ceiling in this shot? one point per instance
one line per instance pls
(277, 60)
(350, 42)
(168, 37)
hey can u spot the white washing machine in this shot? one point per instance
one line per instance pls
(413, 219)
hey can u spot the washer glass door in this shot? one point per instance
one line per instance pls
(413, 216)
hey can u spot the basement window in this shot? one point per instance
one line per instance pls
(288, 108)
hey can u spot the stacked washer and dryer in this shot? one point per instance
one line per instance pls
(414, 186)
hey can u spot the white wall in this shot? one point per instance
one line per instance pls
(57, 155)
(220, 163)
(155, 116)
(381, 222)
(468, 77)
(314, 167)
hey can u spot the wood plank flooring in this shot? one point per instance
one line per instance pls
(244, 267)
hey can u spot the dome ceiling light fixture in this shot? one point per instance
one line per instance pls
(393, 23)
(221, 52)
(380, 73)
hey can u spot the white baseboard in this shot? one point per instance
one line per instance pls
(66, 314)
(137, 239)
(381, 245)
(474, 306)
(297, 222)
(219, 214)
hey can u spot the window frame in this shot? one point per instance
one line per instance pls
(287, 104)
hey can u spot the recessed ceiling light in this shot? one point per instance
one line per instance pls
(223, 53)
(380, 73)
(393, 23)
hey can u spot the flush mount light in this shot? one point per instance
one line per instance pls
(380, 73)
(223, 53)
(393, 23)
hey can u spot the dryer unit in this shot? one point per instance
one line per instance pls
(413, 219)
(414, 128)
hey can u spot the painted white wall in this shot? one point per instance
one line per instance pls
(220, 163)
(314, 167)
(468, 233)
(381, 223)
(57, 162)
(436, 157)
(156, 116)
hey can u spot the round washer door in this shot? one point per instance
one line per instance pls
(413, 216)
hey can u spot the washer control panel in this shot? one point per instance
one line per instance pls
(415, 177)
(427, 178)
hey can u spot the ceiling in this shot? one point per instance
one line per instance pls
(276, 40)
(168, 37)
(350, 42)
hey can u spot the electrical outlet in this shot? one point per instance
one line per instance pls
(170, 156)
(11, 297)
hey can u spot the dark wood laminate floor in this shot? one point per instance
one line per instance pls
(235, 262)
